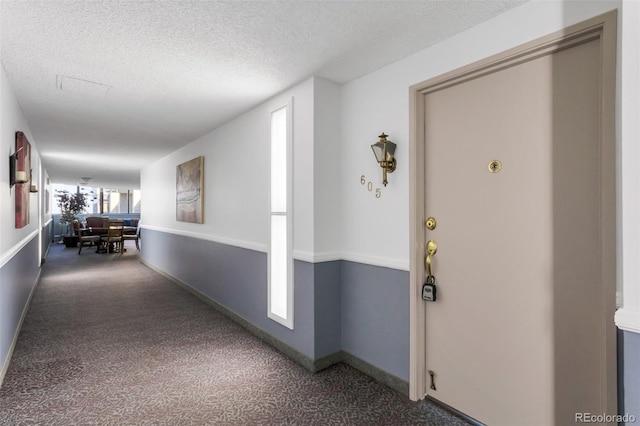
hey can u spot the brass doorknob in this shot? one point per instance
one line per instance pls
(432, 249)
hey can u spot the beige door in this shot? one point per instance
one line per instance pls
(517, 333)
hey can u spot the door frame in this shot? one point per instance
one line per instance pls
(603, 27)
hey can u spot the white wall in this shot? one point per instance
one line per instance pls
(43, 187)
(12, 120)
(327, 172)
(379, 102)
(334, 215)
(236, 178)
(303, 164)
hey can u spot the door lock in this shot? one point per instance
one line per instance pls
(430, 223)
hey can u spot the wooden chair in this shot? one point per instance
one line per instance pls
(95, 222)
(114, 236)
(76, 227)
(84, 238)
(134, 237)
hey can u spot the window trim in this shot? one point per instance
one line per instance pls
(288, 321)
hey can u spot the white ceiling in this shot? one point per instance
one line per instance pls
(168, 72)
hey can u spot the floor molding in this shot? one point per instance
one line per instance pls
(43, 259)
(308, 363)
(455, 412)
(376, 373)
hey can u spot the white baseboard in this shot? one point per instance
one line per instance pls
(628, 320)
(302, 255)
(6, 257)
(249, 245)
(383, 262)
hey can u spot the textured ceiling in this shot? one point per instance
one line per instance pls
(168, 72)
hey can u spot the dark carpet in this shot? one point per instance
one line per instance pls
(108, 341)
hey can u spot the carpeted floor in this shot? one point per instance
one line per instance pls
(108, 341)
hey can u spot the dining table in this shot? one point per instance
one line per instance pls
(102, 231)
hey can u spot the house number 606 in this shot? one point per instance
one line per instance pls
(369, 184)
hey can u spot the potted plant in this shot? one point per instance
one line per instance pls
(71, 204)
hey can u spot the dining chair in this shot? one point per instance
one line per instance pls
(85, 237)
(133, 237)
(114, 236)
(94, 222)
(76, 226)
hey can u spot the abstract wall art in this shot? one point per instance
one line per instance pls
(189, 191)
(23, 170)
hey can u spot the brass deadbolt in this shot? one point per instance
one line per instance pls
(495, 166)
(431, 223)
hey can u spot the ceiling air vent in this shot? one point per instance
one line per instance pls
(82, 87)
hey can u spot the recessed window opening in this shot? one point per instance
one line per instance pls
(102, 201)
(280, 263)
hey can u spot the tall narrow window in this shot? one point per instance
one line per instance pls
(280, 300)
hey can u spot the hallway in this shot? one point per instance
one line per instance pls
(107, 340)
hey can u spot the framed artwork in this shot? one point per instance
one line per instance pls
(189, 191)
(23, 168)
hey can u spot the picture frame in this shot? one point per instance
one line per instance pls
(190, 191)
(23, 189)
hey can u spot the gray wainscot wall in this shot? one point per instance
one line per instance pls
(630, 376)
(46, 237)
(18, 277)
(344, 311)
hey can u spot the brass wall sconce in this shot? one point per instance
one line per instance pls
(32, 188)
(384, 150)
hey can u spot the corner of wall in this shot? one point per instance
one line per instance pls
(327, 308)
(327, 163)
